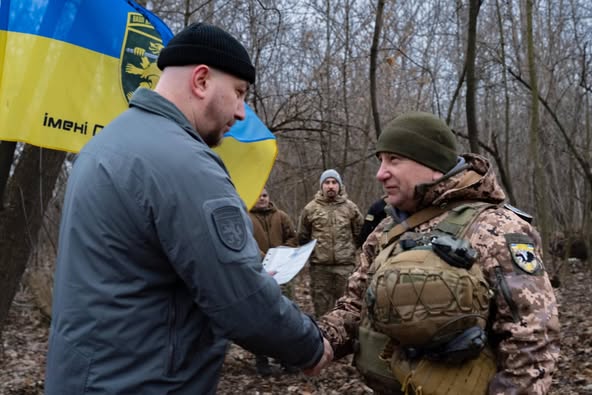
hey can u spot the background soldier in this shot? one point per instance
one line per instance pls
(376, 213)
(335, 222)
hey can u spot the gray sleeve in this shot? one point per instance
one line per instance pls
(205, 232)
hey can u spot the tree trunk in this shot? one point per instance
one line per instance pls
(40, 267)
(506, 161)
(540, 189)
(471, 110)
(7, 149)
(29, 190)
(373, 56)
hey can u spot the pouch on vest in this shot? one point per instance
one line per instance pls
(427, 377)
(367, 359)
(418, 299)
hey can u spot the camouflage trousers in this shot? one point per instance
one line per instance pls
(327, 284)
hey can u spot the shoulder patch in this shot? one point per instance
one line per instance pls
(522, 250)
(230, 227)
(369, 217)
(525, 216)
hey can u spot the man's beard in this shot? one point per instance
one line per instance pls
(213, 139)
(331, 194)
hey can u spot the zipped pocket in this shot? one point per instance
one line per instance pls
(505, 290)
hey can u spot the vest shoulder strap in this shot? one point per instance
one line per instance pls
(461, 217)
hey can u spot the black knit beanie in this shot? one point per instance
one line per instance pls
(421, 137)
(200, 43)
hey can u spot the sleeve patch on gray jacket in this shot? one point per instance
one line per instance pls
(230, 227)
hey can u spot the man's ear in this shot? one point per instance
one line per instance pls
(200, 77)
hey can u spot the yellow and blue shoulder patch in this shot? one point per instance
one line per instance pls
(522, 250)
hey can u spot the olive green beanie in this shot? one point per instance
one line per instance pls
(422, 137)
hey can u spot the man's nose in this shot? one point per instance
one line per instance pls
(382, 174)
(240, 111)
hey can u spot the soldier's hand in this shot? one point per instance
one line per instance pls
(324, 361)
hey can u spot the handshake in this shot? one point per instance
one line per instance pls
(325, 360)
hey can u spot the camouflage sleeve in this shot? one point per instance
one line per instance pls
(340, 325)
(304, 227)
(289, 236)
(524, 318)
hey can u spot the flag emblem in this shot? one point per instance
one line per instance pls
(139, 53)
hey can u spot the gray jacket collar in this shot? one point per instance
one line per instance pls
(149, 100)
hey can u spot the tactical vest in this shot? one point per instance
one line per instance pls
(424, 294)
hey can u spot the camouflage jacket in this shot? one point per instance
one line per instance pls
(272, 227)
(335, 225)
(524, 332)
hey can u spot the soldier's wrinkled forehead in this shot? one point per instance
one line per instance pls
(230, 231)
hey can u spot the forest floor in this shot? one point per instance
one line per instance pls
(24, 345)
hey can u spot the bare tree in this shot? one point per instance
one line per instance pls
(373, 56)
(538, 175)
(28, 192)
(7, 149)
(506, 96)
(471, 106)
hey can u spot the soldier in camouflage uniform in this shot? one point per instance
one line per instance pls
(335, 222)
(420, 168)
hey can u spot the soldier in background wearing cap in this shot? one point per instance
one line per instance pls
(157, 264)
(335, 222)
(420, 171)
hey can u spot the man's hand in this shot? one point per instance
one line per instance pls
(324, 361)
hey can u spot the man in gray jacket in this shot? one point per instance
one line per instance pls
(157, 265)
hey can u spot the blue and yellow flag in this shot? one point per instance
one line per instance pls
(68, 67)
(248, 151)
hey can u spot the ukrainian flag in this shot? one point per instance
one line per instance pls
(248, 150)
(68, 67)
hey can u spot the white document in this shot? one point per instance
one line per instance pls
(285, 262)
